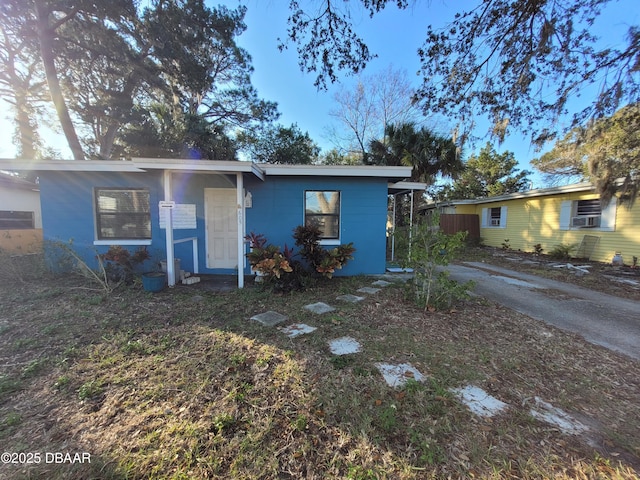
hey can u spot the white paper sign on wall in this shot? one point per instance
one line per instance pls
(183, 215)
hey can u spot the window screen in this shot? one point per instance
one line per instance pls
(12, 220)
(122, 214)
(588, 207)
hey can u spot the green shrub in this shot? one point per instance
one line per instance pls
(563, 251)
(429, 251)
(322, 261)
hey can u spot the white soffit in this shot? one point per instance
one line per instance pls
(337, 170)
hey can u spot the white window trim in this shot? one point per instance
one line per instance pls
(486, 217)
(607, 216)
(120, 241)
(329, 241)
(324, 241)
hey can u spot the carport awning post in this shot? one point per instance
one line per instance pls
(171, 270)
(241, 227)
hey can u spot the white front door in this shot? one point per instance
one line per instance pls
(221, 224)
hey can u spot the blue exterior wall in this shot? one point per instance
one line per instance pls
(68, 210)
(278, 207)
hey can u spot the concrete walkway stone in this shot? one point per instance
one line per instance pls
(381, 283)
(297, 329)
(270, 318)
(369, 290)
(398, 375)
(319, 308)
(350, 298)
(344, 346)
(550, 414)
(479, 401)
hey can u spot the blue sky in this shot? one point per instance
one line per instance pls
(394, 35)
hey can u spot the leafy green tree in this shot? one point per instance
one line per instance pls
(205, 69)
(159, 132)
(279, 144)
(429, 154)
(49, 18)
(108, 63)
(103, 83)
(22, 84)
(605, 152)
(486, 175)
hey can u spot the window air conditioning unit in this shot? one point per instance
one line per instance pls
(586, 221)
(495, 222)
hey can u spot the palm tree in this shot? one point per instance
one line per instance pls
(427, 152)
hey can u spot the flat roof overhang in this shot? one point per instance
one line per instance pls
(394, 172)
(136, 165)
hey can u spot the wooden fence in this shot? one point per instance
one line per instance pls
(452, 223)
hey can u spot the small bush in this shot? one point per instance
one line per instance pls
(279, 269)
(322, 261)
(563, 251)
(430, 250)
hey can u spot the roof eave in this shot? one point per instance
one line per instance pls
(392, 172)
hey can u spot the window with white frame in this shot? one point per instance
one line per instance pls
(122, 214)
(494, 217)
(12, 220)
(589, 213)
(322, 209)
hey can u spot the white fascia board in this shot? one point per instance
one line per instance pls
(337, 170)
(199, 166)
(404, 186)
(539, 192)
(13, 164)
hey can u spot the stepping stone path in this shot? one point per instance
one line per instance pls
(297, 329)
(397, 375)
(319, 308)
(270, 319)
(344, 346)
(368, 290)
(550, 414)
(479, 401)
(350, 298)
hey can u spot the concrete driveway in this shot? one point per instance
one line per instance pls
(602, 319)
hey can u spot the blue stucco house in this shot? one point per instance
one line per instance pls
(201, 210)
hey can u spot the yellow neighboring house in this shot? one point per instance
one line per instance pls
(20, 217)
(569, 215)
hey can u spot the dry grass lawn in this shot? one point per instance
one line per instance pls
(181, 384)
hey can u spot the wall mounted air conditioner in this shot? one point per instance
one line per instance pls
(586, 221)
